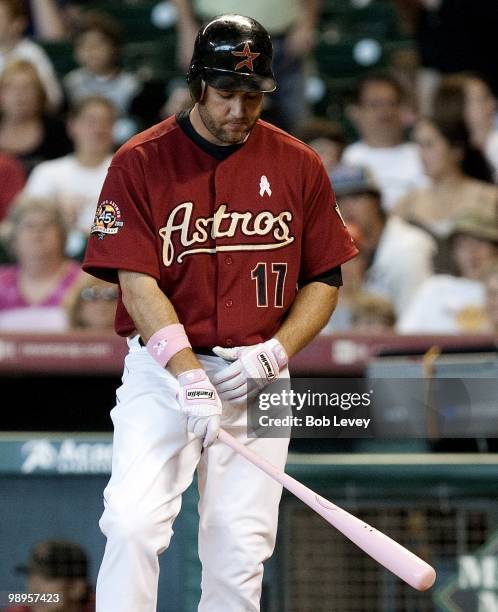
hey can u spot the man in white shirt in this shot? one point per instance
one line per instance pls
(13, 23)
(75, 180)
(399, 256)
(382, 148)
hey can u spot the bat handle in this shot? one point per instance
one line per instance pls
(251, 456)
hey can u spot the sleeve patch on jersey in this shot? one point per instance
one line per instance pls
(107, 219)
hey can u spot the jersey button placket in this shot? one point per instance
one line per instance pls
(228, 315)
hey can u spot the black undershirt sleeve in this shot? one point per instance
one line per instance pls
(331, 277)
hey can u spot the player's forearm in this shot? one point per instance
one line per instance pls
(311, 310)
(151, 310)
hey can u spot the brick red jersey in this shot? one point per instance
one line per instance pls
(228, 241)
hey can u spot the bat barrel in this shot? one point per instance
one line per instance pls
(400, 561)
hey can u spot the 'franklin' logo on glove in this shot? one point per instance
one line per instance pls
(264, 360)
(195, 394)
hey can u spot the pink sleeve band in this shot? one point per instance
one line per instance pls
(166, 342)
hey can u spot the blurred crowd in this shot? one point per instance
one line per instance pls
(414, 164)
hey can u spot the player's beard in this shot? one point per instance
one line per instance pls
(222, 134)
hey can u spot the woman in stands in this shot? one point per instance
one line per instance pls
(26, 131)
(458, 173)
(33, 289)
(470, 96)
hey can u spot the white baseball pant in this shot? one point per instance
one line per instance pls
(154, 458)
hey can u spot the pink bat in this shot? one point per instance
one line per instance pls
(400, 561)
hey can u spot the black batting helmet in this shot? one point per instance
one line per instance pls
(233, 53)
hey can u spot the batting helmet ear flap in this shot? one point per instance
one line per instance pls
(197, 87)
(203, 90)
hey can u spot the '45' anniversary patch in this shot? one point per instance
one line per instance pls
(107, 219)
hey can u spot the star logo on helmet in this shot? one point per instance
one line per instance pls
(250, 57)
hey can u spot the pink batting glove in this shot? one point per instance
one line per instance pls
(261, 364)
(198, 399)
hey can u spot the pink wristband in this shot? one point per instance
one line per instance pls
(166, 342)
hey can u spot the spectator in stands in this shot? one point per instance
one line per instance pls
(33, 289)
(12, 179)
(326, 137)
(468, 96)
(13, 46)
(454, 167)
(372, 315)
(98, 46)
(292, 25)
(26, 131)
(377, 115)
(399, 255)
(456, 304)
(57, 566)
(91, 306)
(75, 180)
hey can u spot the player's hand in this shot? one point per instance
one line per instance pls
(199, 400)
(252, 369)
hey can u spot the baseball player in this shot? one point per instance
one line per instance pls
(224, 236)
